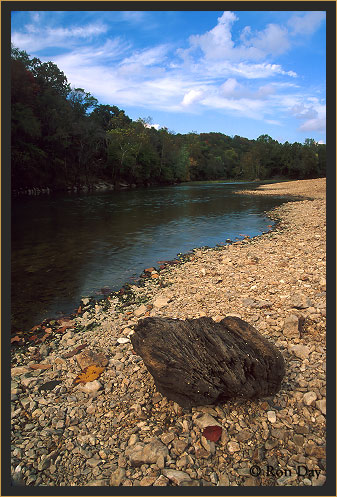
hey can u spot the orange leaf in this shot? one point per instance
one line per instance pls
(90, 373)
(40, 366)
(212, 433)
(15, 339)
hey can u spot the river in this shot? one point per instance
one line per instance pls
(68, 246)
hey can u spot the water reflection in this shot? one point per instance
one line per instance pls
(65, 247)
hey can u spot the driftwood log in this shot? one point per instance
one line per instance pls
(199, 362)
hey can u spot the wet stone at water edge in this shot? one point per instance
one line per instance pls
(200, 362)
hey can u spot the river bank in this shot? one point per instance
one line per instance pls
(86, 434)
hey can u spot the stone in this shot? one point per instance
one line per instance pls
(161, 481)
(123, 340)
(309, 398)
(301, 351)
(146, 454)
(291, 326)
(223, 480)
(200, 362)
(301, 302)
(178, 477)
(117, 477)
(271, 415)
(205, 421)
(233, 446)
(90, 358)
(160, 302)
(90, 387)
(140, 311)
(321, 405)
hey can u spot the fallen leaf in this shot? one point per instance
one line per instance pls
(79, 310)
(15, 339)
(90, 373)
(75, 351)
(40, 366)
(34, 337)
(212, 433)
(64, 328)
(37, 327)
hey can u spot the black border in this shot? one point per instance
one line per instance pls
(330, 8)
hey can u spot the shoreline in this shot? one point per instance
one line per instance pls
(257, 279)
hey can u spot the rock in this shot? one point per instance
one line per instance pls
(233, 446)
(140, 311)
(301, 351)
(201, 362)
(160, 302)
(321, 405)
(271, 415)
(91, 387)
(123, 340)
(161, 481)
(317, 482)
(146, 454)
(178, 477)
(301, 302)
(309, 398)
(205, 421)
(223, 480)
(98, 483)
(117, 477)
(90, 358)
(291, 326)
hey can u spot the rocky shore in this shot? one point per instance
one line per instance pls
(76, 426)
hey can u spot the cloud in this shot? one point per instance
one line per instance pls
(306, 24)
(318, 124)
(36, 38)
(191, 96)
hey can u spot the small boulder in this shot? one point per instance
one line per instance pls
(146, 454)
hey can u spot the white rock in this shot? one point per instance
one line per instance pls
(123, 340)
(233, 446)
(271, 415)
(206, 420)
(309, 398)
(301, 351)
(160, 302)
(91, 387)
(176, 476)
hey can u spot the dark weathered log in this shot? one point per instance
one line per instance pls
(200, 362)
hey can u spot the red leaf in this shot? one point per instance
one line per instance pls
(75, 351)
(212, 433)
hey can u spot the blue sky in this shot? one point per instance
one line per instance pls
(235, 72)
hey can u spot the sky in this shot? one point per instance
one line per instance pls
(234, 72)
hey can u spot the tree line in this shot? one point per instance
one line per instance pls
(62, 137)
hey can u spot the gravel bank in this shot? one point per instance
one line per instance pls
(118, 430)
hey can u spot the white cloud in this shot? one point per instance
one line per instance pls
(37, 37)
(191, 96)
(313, 125)
(306, 24)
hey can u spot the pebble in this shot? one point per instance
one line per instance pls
(309, 398)
(271, 415)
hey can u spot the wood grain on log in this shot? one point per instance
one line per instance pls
(199, 362)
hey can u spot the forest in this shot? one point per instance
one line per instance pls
(63, 138)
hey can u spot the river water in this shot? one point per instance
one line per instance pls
(68, 246)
